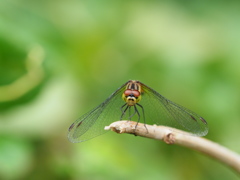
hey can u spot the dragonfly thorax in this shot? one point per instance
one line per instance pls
(131, 97)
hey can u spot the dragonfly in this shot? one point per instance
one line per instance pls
(137, 102)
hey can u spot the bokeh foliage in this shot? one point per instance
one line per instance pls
(59, 59)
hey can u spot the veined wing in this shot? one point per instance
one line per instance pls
(92, 123)
(161, 111)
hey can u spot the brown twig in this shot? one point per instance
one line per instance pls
(175, 136)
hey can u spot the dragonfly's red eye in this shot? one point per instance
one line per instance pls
(128, 92)
(135, 93)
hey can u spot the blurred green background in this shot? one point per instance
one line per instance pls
(59, 59)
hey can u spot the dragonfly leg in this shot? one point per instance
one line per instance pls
(124, 111)
(123, 107)
(136, 111)
(143, 116)
(131, 115)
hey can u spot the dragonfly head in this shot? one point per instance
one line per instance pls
(131, 97)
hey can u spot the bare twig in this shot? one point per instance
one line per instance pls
(175, 136)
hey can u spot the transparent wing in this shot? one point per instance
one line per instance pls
(161, 111)
(92, 123)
